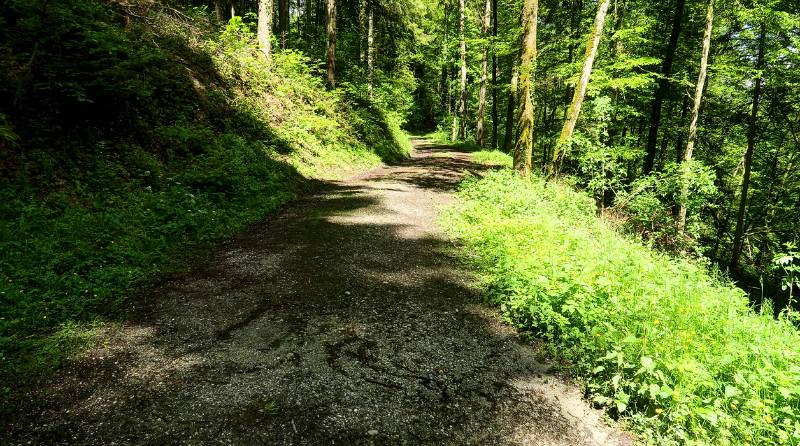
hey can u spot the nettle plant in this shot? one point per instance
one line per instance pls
(788, 265)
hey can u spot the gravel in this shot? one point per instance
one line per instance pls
(346, 318)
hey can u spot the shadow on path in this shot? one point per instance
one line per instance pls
(344, 319)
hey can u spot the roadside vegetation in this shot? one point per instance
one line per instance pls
(139, 135)
(677, 352)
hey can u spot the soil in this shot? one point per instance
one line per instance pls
(345, 318)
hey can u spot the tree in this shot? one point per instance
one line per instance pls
(331, 46)
(580, 90)
(283, 21)
(698, 97)
(264, 27)
(663, 86)
(370, 47)
(218, 10)
(495, 121)
(736, 251)
(480, 131)
(523, 150)
(462, 103)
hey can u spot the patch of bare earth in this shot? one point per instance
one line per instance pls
(343, 319)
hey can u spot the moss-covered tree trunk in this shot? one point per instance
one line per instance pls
(331, 52)
(480, 132)
(574, 109)
(523, 150)
(265, 27)
(698, 98)
(508, 140)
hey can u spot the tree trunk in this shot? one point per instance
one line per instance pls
(480, 130)
(580, 90)
(663, 86)
(370, 56)
(264, 27)
(331, 53)
(698, 97)
(523, 150)
(233, 9)
(748, 156)
(510, 108)
(283, 21)
(445, 88)
(494, 77)
(218, 9)
(462, 108)
(362, 19)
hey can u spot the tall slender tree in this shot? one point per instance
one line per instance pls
(283, 21)
(508, 140)
(462, 102)
(698, 98)
(663, 85)
(495, 121)
(370, 48)
(574, 109)
(264, 31)
(480, 132)
(736, 251)
(331, 50)
(523, 150)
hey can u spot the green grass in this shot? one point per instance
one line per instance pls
(87, 225)
(675, 352)
(492, 158)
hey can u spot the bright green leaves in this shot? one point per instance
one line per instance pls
(655, 339)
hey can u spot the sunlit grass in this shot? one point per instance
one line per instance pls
(677, 353)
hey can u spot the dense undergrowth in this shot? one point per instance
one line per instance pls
(657, 340)
(131, 132)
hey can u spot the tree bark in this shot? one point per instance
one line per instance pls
(523, 150)
(370, 45)
(445, 85)
(283, 21)
(698, 98)
(362, 19)
(580, 91)
(510, 108)
(480, 132)
(462, 108)
(219, 11)
(264, 27)
(331, 51)
(663, 87)
(736, 252)
(494, 76)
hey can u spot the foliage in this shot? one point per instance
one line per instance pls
(136, 136)
(658, 341)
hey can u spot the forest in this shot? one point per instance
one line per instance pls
(621, 178)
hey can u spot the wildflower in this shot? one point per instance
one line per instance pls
(659, 410)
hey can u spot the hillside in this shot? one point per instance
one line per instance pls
(134, 132)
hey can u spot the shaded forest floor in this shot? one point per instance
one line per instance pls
(345, 318)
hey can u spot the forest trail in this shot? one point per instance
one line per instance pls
(343, 319)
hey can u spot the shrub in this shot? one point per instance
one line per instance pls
(656, 340)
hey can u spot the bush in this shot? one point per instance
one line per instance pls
(657, 340)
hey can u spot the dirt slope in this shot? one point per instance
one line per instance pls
(344, 319)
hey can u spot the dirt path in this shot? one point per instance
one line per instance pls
(344, 319)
